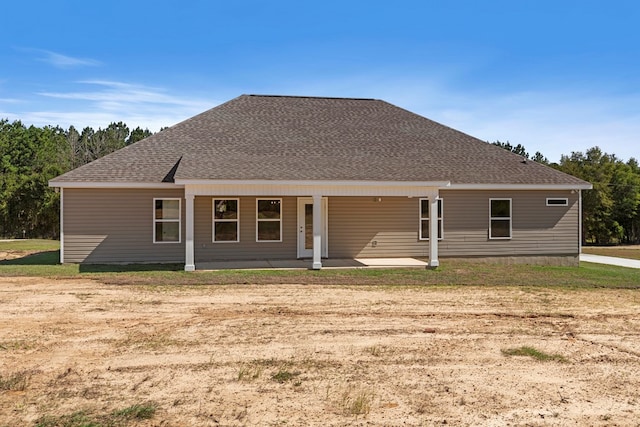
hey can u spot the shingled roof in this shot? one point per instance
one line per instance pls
(256, 137)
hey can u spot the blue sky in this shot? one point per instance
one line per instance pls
(555, 76)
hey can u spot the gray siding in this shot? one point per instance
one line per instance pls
(247, 248)
(537, 229)
(115, 226)
(364, 227)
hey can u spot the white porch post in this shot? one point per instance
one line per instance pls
(433, 230)
(61, 225)
(189, 264)
(317, 232)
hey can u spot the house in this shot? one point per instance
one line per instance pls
(284, 177)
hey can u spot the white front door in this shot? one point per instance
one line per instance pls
(305, 227)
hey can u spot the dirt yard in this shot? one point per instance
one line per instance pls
(300, 355)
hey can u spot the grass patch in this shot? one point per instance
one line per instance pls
(15, 382)
(19, 345)
(152, 340)
(284, 375)
(136, 412)
(249, 373)
(39, 245)
(356, 401)
(119, 418)
(376, 350)
(534, 353)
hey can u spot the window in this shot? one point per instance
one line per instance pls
(424, 219)
(557, 201)
(499, 218)
(269, 220)
(166, 221)
(226, 215)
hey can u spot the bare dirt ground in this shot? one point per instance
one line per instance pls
(300, 355)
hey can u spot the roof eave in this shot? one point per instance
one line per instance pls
(439, 184)
(567, 186)
(112, 184)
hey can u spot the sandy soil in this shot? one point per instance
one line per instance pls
(300, 355)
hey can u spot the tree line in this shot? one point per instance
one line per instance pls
(30, 156)
(611, 210)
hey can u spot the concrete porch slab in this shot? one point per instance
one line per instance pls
(392, 262)
(305, 264)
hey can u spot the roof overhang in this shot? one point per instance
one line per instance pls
(585, 186)
(313, 183)
(84, 184)
(308, 187)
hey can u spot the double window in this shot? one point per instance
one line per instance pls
(166, 221)
(269, 220)
(424, 219)
(226, 214)
(499, 218)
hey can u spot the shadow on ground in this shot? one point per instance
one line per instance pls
(38, 258)
(124, 268)
(50, 258)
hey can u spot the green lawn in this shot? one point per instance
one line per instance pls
(44, 262)
(29, 245)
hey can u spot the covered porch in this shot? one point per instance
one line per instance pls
(310, 229)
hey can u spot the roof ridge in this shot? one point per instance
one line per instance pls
(312, 97)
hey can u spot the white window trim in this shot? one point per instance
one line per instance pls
(565, 201)
(258, 220)
(510, 218)
(156, 220)
(440, 219)
(214, 219)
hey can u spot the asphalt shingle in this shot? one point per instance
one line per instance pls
(256, 137)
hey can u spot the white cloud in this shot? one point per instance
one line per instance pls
(112, 101)
(59, 60)
(116, 94)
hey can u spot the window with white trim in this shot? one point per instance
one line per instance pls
(424, 219)
(499, 218)
(557, 201)
(166, 220)
(226, 214)
(268, 220)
